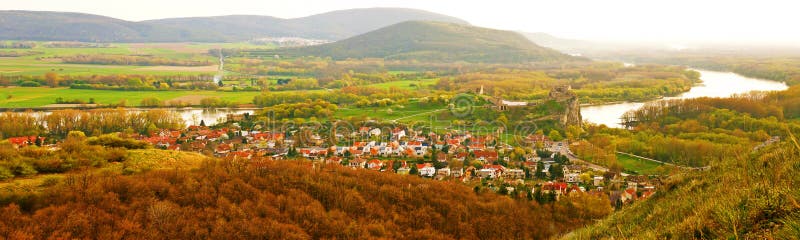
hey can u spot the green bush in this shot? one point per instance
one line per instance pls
(5, 173)
(21, 168)
(29, 84)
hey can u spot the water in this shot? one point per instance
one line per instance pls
(715, 84)
(210, 117)
(191, 116)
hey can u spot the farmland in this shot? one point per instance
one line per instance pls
(47, 59)
(19, 97)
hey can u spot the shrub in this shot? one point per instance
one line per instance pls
(29, 84)
(5, 173)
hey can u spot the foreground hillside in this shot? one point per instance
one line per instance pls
(280, 200)
(747, 197)
(62, 26)
(749, 189)
(435, 41)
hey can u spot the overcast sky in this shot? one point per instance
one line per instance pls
(627, 20)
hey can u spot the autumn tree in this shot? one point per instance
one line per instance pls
(52, 79)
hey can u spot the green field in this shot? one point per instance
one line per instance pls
(408, 112)
(407, 84)
(22, 97)
(48, 60)
(640, 166)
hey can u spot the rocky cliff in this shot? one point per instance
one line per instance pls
(572, 108)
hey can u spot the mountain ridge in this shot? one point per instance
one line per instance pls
(70, 26)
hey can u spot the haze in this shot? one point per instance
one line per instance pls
(680, 21)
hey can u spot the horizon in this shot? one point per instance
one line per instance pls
(743, 23)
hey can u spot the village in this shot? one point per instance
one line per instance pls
(537, 168)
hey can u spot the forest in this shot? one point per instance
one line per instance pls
(132, 60)
(751, 63)
(282, 199)
(697, 132)
(95, 122)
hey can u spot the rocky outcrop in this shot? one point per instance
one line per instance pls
(572, 108)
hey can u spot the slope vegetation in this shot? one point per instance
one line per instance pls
(435, 41)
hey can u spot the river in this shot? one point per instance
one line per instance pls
(714, 84)
(190, 116)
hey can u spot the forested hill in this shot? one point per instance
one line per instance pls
(435, 41)
(63, 26)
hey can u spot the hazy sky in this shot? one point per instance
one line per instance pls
(627, 20)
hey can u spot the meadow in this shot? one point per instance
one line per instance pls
(640, 166)
(29, 97)
(47, 59)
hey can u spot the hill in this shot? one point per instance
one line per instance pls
(334, 25)
(748, 192)
(741, 198)
(435, 41)
(62, 26)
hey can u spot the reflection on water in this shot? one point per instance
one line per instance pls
(190, 117)
(209, 116)
(715, 84)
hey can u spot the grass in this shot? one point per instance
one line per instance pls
(406, 84)
(137, 161)
(640, 166)
(48, 61)
(397, 112)
(149, 159)
(25, 97)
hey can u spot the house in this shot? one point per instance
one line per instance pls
(222, 149)
(375, 132)
(628, 195)
(334, 159)
(403, 170)
(426, 170)
(363, 130)
(514, 174)
(485, 156)
(572, 178)
(570, 169)
(462, 156)
(357, 163)
(598, 180)
(441, 157)
(175, 147)
(487, 173)
(240, 155)
(457, 172)
(538, 140)
(558, 188)
(496, 169)
(398, 133)
(197, 146)
(374, 164)
(648, 194)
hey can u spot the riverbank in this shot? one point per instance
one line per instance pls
(714, 84)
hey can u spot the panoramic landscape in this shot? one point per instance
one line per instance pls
(398, 120)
